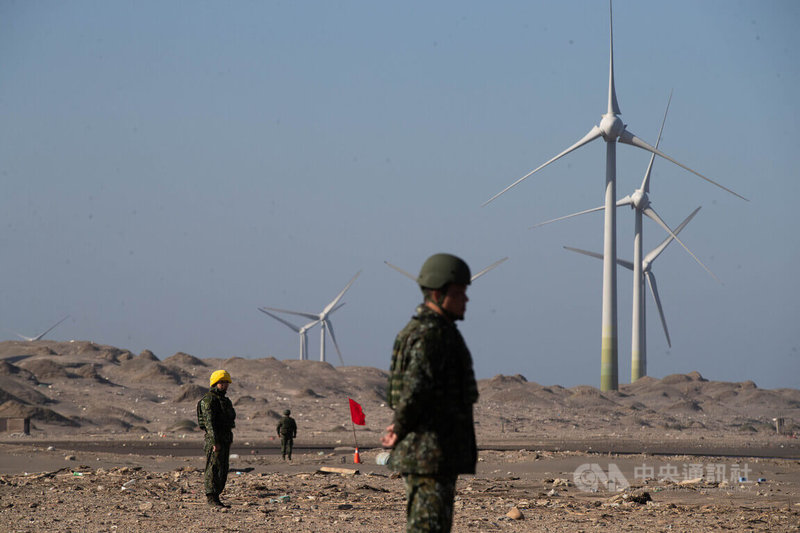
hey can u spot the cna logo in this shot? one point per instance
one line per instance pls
(589, 477)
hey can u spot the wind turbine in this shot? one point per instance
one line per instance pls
(612, 130)
(473, 278)
(321, 318)
(302, 330)
(639, 201)
(645, 268)
(41, 335)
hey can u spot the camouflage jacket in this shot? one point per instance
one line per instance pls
(432, 390)
(219, 417)
(287, 427)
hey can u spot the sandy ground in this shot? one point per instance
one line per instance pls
(114, 447)
(60, 488)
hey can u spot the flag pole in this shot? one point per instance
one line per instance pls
(356, 457)
(354, 433)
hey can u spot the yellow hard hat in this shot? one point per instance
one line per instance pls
(219, 375)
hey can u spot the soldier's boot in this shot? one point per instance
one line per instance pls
(219, 502)
(213, 500)
(290, 457)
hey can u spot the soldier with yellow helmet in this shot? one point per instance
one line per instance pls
(217, 417)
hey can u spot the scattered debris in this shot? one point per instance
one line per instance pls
(515, 513)
(336, 470)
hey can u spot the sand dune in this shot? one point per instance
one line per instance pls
(68, 388)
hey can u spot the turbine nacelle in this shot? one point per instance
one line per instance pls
(611, 127)
(639, 200)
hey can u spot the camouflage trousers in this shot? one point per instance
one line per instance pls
(286, 446)
(216, 474)
(429, 503)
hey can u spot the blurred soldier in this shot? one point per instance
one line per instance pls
(432, 390)
(287, 429)
(217, 416)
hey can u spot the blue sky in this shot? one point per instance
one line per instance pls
(168, 167)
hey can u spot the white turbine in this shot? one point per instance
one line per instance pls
(645, 268)
(639, 201)
(41, 335)
(302, 330)
(612, 130)
(473, 278)
(321, 318)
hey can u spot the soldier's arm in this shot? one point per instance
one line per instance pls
(231, 413)
(209, 417)
(472, 385)
(415, 398)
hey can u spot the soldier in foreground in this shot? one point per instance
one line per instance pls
(287, 430)
(217, 417)
(432, 390)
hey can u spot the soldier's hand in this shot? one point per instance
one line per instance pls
(389, 439)
(216, 448)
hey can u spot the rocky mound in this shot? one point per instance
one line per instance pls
(190, 393)
(182, 359)
(63, 384)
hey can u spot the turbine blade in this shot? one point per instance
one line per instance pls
(297, 313)
(650, 212)
(655, 252)
(613, 105)
(584, 252)
(593, 134)
(309, 326)
(329, 326)
(403, 272)
(294, 328)
(48, 330)
(487, 269)
(567, 216)
(627, 200)
(620, 262)
(629, 138)
(646, 180)
(335, 301)
(651, 280)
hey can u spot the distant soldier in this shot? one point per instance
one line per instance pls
(287, 430)
(432, 390)
(216, 415)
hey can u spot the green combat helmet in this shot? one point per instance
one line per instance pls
(441, 269)
(287, 412)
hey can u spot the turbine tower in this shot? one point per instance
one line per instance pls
(473, 278)
(645, 268)
(612, 130)
(321, 318)
(40, 336)
(639, 201)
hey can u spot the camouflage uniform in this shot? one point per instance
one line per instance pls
(287, 429)
(219, 420)
(432, 390)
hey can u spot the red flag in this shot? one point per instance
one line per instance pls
(356, 414)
